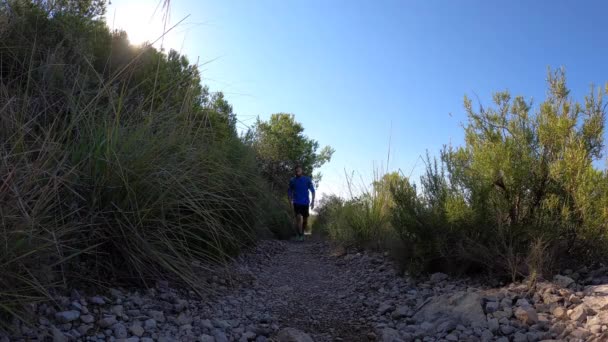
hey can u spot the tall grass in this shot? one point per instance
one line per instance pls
(96, 188)
(363, 220)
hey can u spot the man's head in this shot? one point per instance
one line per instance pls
(298, 170)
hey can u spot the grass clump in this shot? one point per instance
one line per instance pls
(116, 165)
(362, 220)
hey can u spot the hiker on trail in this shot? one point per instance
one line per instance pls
(298, 195)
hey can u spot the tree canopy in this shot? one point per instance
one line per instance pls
(280, 145)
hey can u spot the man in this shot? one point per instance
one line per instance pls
(299, 186)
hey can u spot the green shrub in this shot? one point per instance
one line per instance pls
(280, 144)
(326, 211)
(117, 165)
(521, 181)
(362, 221)
(521, 195)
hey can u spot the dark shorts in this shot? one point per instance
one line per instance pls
(301, 209)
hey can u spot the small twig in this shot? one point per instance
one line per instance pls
(426, 301)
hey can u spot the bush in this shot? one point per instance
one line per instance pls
(523, 178)
(362, 221)
(326, 211)
(518, 198)
(117, 165)
(521, 183)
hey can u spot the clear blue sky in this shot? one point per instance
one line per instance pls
(349, 70)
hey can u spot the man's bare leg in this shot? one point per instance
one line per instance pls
(298, 221)
(304, 225)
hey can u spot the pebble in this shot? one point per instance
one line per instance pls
(119, 330)
(158, 316)
(137, 330)
(206, 338)
(67, 316)
(150, 324)
(97, 300)
(107, 321)
(526, 315)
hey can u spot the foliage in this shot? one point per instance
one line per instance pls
(326, 210)
(522, 176)
(521, 194)
(419, 217)
(117, 165)
(363, 220)
(280, 145)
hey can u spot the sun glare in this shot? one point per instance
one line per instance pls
(143, 22)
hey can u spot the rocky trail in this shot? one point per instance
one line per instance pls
(300, 292)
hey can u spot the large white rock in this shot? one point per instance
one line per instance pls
(596, 297)
(463, 307)
(598, 303)
(563, 281)
(579, 313)
(598, 290)
(599, 319)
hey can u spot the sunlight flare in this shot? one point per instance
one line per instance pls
(144, 22)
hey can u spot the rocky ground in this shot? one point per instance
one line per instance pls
(304, 292)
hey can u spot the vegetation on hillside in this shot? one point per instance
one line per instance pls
(521, 195)
(117, 165)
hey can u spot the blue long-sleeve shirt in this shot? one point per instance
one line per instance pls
(298, 190)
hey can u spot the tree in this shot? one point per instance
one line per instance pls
(280, 144)
(220, 114)
(82, 8)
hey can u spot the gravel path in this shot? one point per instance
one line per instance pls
(313, 293)
(302, 292)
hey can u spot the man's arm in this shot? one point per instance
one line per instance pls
(311, 187)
